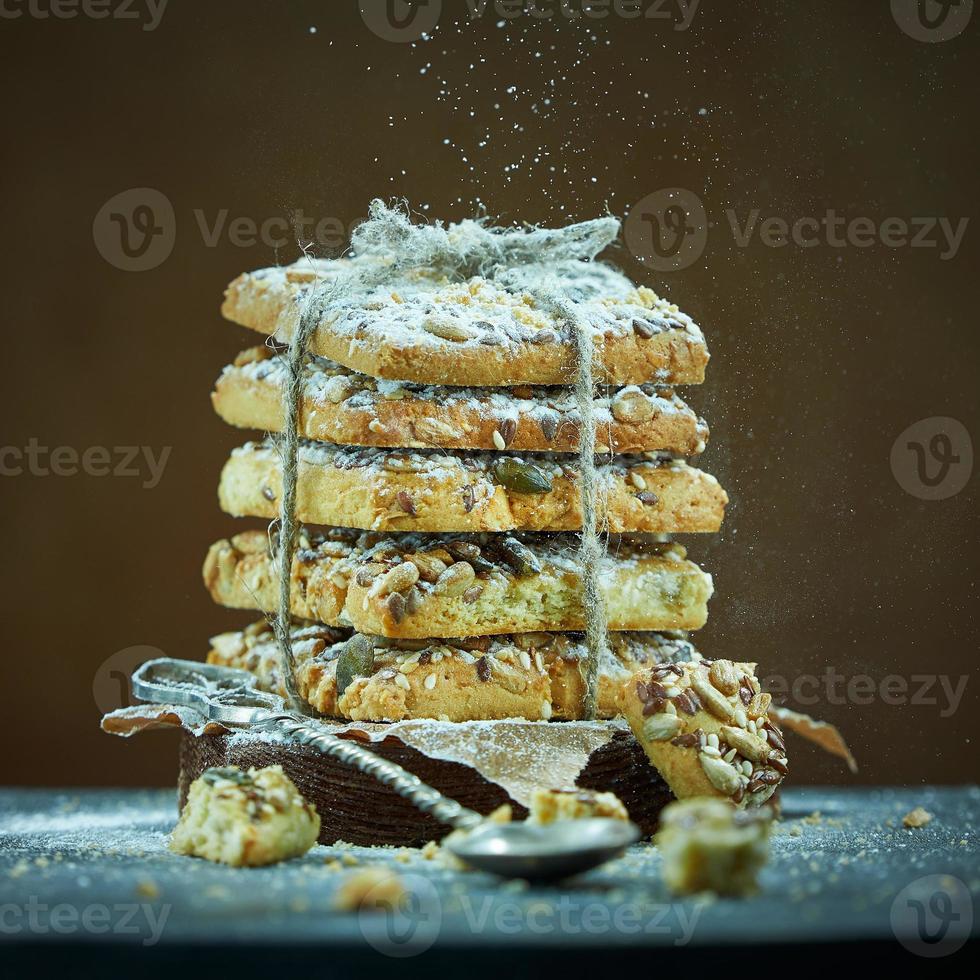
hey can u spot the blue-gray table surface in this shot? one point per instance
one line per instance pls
(91, 867)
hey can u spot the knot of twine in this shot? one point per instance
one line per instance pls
(529, 257)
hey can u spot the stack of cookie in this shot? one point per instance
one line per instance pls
(438, 574)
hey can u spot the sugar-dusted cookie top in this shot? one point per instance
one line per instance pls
(477, 332)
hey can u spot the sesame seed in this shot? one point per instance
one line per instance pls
(402, 681)
(430, 682)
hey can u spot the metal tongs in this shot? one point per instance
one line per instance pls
(514, 850)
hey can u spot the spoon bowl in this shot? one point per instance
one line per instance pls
(548, 852)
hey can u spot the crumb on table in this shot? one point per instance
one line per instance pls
(370, 889)
(918, 817)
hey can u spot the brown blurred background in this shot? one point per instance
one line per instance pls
(247, 109)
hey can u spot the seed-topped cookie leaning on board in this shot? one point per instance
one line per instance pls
(525, 675)
(389, 490)
(705, 727)
(413, 586)
(348, 408)
(477, 332)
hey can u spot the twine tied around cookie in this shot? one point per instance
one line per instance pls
(530, 258)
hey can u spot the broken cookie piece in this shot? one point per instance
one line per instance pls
(709, 846)
(244, 819)
(549, 805)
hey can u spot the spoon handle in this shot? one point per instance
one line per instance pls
(427, 799)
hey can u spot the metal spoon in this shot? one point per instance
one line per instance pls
(516, 850)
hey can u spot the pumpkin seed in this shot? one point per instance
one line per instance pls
(521, 476)
(231, 774)
(519, 556)
(355, 660)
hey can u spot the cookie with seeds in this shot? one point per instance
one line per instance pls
(412, 586)
(245, 818)
(705, 728)
(240, 572)
(347, 408)
(476, 333)
(526, 675)
(391, 490)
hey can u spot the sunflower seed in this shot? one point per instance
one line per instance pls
(723, 776)
(447, 329)
(658, 728)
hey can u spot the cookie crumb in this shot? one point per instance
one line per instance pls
(370, 889)
(147, 889)
(918, 817)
